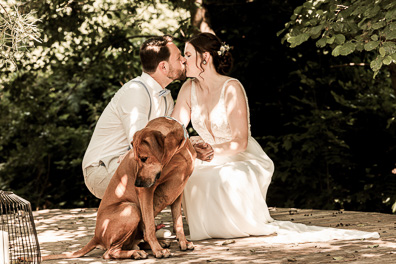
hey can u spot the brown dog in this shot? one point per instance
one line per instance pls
(151, 176)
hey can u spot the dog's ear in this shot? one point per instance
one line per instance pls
(174, 140)
(150, 141)
(155, 140)
(137, 137)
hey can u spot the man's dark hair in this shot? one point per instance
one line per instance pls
(153, 51)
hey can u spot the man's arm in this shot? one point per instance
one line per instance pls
(133, 108)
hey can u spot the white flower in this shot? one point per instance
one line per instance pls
(223, 49)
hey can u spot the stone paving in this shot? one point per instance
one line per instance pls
(64, 230)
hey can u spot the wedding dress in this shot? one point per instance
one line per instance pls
(225, 198)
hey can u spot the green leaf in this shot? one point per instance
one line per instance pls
(379, 25)
(336, 51)
(371, 12)
(376, 64)
(391, 35)
(382, 51)
(307, 5)
(339, 39)
(298, 10)
(391, 14)
(390, 5)
(392, 26)
(316, 30)
(331, 40)
(321, 42)
(297, 40)
(347, 48)
(371, 45)
(374, 37)
(359, 46)
(362, 24)
(387, 60)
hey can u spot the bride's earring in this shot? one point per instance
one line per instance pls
(204, 62)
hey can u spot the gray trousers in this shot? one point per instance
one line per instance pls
(97, 178)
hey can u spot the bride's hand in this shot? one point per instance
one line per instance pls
(204, 151)
(196, 139)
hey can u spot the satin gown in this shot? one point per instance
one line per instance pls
(225, 198)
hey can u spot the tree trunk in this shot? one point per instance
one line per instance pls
(199, 18)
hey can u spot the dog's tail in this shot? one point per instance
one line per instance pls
(79, 253)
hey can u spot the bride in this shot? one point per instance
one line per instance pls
(225, 195)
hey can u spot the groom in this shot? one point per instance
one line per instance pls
(135, 103)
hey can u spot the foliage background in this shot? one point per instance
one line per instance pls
(326, 122)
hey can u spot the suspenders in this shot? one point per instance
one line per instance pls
(148, 93)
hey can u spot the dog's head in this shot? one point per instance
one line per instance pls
(154, 146)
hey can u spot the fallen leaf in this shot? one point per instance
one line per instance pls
(373, 246)
(227, 242)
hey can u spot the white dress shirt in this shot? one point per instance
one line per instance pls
(126, 113)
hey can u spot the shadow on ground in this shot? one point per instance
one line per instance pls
(69, 230)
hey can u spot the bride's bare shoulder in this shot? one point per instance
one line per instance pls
(233, 85)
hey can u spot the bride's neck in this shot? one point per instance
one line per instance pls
(209, 82)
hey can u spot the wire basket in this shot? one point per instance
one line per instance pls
(18, 236)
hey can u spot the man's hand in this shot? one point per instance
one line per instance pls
(121, 157)
(204, 151)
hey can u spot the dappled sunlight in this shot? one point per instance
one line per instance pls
(69, 230)
(121, 187)
(127, 211)
(234, 145)
(104, 226)
(53, 225)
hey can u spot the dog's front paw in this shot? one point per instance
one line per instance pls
(165, 243)
(140, 254)
(163, 253)
(184, 245)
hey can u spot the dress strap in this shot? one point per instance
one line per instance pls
(224, 85)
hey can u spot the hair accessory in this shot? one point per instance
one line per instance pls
(223, 49)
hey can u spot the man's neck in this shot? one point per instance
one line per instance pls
(162, 80)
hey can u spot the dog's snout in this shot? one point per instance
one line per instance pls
(139, 183)
(142, 182)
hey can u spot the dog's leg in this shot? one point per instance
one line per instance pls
(118, 253)
(117, 227)
(146, 196)
(120, 250)
(178, 224)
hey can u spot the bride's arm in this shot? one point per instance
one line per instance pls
(182, 110)
(182, 113)
(237, 116)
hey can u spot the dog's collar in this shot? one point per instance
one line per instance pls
(184, 128)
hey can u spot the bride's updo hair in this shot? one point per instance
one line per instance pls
(208, 42)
